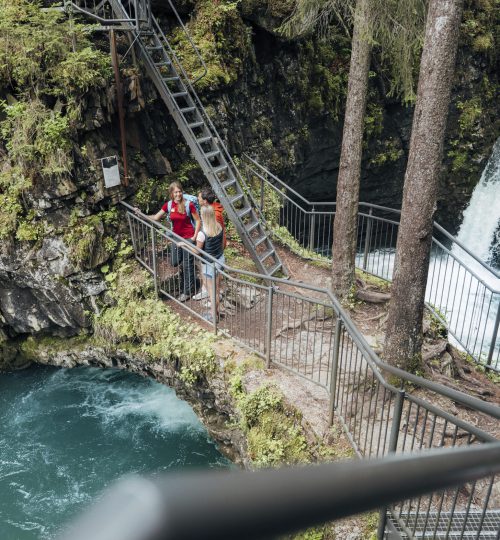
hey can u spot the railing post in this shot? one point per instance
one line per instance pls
(269, 325)
(155, 270)
(312, 225)
(368, 238)
(261, 194)
(215, 292)
(393, 444)
(494, 337)
(335, 363)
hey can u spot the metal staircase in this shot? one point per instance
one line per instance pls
(177, 91)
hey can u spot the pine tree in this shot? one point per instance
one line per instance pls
(404, 325)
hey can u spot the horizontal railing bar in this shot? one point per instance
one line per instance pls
(464, 266)
(483, 436)
(472, 402)
(467, 250)
(218, 505)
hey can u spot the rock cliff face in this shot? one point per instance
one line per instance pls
(280, 101)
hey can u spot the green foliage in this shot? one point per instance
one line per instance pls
(470, 112)
(36, 52)
(480, 25)
(373, 120)
(85, 234)
(470, 115)
(391, 152)
(139, 320)
(274, 431)
(38, 63)
(37, 138)
(12, 185)
(222, 39)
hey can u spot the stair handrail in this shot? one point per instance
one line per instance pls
(439, 227)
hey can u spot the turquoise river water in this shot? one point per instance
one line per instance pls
(65, 434)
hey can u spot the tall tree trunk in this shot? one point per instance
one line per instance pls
(346, 215)
(403, 340)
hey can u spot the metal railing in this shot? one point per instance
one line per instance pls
(304, 329)
(135, 12)
(263, 504)
(462, 291)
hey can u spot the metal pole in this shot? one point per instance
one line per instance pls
(269, 324)
(155, 270)
(262, 194)
(119, 98)
(335, 363)
(214, 297)
(494, 337)
(368, 238)
(312, 225)
(393, 443)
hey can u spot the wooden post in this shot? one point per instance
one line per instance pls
(119, 96)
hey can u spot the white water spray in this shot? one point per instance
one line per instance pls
(482, 216)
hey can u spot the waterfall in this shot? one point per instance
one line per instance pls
(482, 216)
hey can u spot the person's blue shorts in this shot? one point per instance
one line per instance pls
(207, 269)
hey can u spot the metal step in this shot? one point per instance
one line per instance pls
(252, 226)
(267, 254)
(220, 168)
(271, 271)
(244, 212)
(187, 110)
(259, 241)
(212, 154)
(171, 79)
(195, 125)
(228, 183)
(236, 198)
(202, 140)
(179, 94)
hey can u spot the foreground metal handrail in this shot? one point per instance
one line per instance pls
(227, 505)
(305, 330)
(465, 302)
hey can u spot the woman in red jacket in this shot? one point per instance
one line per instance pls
(181, 213)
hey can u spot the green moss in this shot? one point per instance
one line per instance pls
(222, 39)
(35, 347)
(479, 25)
(372, 280)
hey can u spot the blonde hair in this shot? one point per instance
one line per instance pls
(181, 207)
(210, 225)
